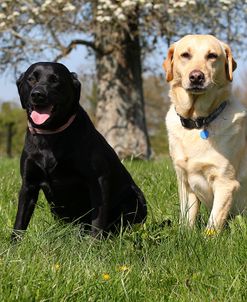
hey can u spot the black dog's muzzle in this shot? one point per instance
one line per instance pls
(39, 95)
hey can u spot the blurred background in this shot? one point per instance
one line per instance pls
(117, 49)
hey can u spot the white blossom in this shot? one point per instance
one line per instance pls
(100, 19)
(23, 9)
(30, 21)
(107, 18)
(112, 6)
(2, 25)
(118, 11)
(69, 7)
(122, 17)
(100, 12)
(148, 5)
(225, 2)
(16, 14)
(35, 10)
(159, 6)
(48, 2)
(4, 5)
(128, 3)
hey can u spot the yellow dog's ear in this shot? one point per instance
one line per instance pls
(231, 65)
(168, 63)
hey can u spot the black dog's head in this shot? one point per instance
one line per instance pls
(50, 94)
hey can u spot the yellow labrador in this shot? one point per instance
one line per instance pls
(207, 130)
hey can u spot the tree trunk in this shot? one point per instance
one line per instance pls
(120, 114)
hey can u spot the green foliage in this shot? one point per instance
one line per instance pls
(12, 116)
(154, 262)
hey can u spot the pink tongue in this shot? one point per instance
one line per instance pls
(41, 115)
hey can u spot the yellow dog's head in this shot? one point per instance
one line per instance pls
(198, 62)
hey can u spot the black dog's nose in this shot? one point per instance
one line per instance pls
(197, 77)
(38, 95)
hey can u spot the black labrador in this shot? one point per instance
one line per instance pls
(65, 156)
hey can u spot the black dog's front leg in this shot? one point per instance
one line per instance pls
(27, 200)
(100, 203)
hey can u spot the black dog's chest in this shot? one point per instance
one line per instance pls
(65, 187)
(62, 171)
(53, 154)
(58, 162)
(57, 171)
(66, 176)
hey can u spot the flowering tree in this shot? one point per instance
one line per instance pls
(118, 32)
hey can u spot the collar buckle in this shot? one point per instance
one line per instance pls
(199, 122)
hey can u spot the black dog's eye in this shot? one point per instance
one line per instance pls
(53, 79)
(212, 55)
(186, 55)
(31, 79)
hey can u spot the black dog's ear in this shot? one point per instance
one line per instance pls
(77, 86)
(19, 83)
(20, 80)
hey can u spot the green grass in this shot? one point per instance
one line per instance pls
(55, 263)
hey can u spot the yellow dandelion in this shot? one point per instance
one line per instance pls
(210, 232)
(123, 268)
(56, 267)
(106, 276)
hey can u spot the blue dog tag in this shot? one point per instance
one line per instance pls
(204, 134)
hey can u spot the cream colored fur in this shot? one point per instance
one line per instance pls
(213, 170)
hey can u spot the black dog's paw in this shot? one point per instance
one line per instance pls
(99, 234)
(16, 236)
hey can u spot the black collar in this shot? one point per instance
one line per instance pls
(201, 122)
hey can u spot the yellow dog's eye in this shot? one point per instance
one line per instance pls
(185, 55)
(212, 55)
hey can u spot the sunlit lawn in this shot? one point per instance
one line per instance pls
(155, 262)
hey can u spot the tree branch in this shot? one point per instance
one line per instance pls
(73, 44)
(18, 36)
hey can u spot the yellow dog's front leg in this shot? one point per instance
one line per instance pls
(189, 203)
(224, 190)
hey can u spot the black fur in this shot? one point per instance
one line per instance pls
(81, 176)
